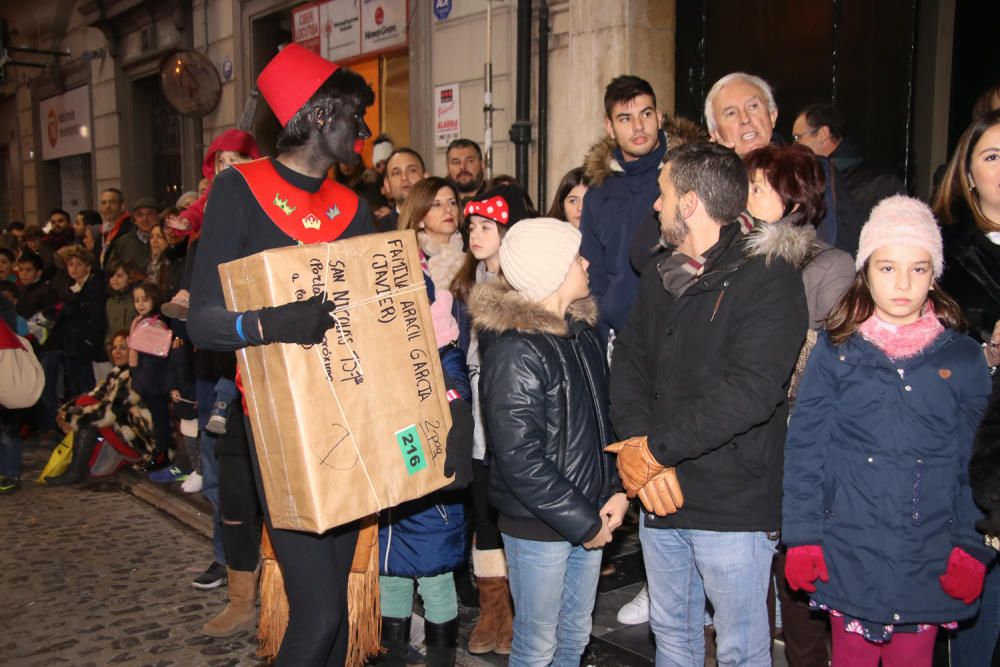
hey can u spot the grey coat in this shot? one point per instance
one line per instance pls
(826, 271)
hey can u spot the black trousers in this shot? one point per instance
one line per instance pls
(484, 523)
(240, 512)
(315, 569)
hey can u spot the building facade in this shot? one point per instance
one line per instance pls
(99, 117)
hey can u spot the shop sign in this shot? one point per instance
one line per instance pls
(447, 115)
(341, 21)
(306, 27)
(340, 30)
(383, 24)
(65, 122)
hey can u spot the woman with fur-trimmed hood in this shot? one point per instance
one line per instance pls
(786, 199)
(544, 392)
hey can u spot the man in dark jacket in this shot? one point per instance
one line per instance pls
(698, 383)
(623, 169)
(821, 128)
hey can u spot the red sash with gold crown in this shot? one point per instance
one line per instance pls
(307, 217)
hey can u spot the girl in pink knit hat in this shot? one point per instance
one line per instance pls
(877, 512)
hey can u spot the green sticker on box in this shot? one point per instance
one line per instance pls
(413, 450)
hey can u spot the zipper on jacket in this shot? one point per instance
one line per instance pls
(563, 424)
(597, 412)
(443, 512)
(388, 540)
(916, 516)
(718, 302)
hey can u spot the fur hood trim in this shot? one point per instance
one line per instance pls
(443, 261)
(497, 308)
(796, 245)
(600, 161)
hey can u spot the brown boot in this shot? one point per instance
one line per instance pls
(240, 614)
(490, 568)
(505, 633)
(492, 590)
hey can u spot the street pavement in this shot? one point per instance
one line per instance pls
(100, 575)
(94, 576)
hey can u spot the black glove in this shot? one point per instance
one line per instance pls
(303, 322)
(458, 459)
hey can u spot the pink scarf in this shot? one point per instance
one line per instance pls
(901, 341)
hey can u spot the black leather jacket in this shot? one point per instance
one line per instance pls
(544, 391)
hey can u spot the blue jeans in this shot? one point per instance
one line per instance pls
(975, 640)
(210, 489)
(733, 570)
(48, 402)
(554, 586)
(204, 395)
(10, 454)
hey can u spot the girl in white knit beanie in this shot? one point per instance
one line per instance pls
(877, 510)
(544, 394)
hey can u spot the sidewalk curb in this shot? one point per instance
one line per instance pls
(181, 506)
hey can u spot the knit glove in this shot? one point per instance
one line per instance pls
(458, 457)
(636, 465)
(301, 322)
(963, 579)
(803, 565)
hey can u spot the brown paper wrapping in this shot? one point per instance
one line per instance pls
(334, 423)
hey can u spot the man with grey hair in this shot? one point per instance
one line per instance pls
(740, 112)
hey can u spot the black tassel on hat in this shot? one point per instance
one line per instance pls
(249, 111)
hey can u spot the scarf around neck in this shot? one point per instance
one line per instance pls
(902, 341)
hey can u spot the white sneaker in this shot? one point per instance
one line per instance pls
(192, 484)
(636, 611)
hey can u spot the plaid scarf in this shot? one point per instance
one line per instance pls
(678, 271)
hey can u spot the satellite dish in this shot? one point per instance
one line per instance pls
(190, 82)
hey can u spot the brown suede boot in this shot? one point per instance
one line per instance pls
(240, 614)
(505, 632)
(495, 616)
(492, 590)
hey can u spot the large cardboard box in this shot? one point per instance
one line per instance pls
(360, 422)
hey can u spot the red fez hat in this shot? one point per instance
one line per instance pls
(291, 78)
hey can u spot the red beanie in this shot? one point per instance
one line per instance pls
(291, 78)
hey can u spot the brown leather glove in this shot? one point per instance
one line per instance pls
(662, 495)
(636, 465)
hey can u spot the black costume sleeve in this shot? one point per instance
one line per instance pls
(223, 239)
(235, 226)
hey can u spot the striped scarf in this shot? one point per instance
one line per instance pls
(678, 271)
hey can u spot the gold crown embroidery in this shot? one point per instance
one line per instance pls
(283, 204)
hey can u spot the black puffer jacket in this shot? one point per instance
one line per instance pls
(544, 392)
(705, 377)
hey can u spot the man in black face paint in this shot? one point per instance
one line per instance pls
(272, 203)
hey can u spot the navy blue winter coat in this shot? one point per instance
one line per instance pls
(612, 211)
(426, 537)
(876, 472)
